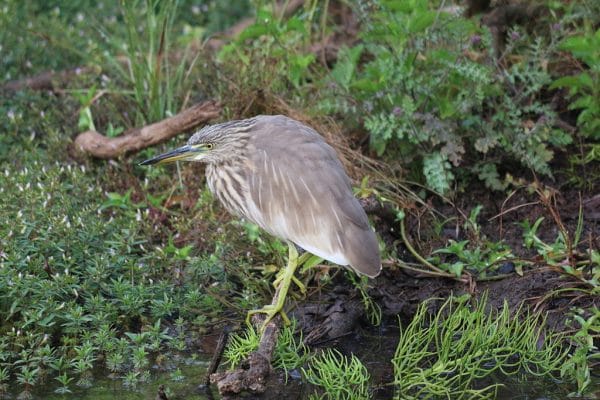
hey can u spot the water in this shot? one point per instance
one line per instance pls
(375, 351)
(105, 388)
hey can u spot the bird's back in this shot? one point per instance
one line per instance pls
(298, 190)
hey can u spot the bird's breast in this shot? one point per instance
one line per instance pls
(228, 183)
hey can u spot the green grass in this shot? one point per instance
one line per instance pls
(444, 355)
(290, 353)
(339, 377)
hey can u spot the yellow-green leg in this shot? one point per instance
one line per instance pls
(282, 285)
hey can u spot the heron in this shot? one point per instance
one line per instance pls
(281, 175)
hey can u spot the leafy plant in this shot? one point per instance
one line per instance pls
(583, 87)
(372, 309)
(585, 353)
(475, 255)
(271, 54)
(177, 375)
(430, 103)
(77, 278)
(560, 253)
(86, 120)
(240, 346)
(290, 352)
(480, 259)
(27, 377)
(64, 381)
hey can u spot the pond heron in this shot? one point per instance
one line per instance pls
(281, 175)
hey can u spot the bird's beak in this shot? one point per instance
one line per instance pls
(181, 153)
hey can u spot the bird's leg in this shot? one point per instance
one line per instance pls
(301, 260)
(282, 285)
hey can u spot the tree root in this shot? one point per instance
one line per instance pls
(253, 374)
(100, 146)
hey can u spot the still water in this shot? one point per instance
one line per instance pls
(374, 350)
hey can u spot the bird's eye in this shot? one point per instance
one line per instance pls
(209, 146)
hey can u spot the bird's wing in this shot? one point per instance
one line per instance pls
(300, 190)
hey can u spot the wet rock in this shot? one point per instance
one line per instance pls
(507, 268)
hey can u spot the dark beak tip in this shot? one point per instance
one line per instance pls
(168, 157)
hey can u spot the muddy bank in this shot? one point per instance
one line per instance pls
(336, 317)
(335, 313)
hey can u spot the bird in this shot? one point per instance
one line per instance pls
(281, 175)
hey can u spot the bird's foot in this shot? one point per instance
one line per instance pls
(270, 311)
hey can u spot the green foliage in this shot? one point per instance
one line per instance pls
(372, 309)
(240, 345)
(445, 354)
(40, 36)
(266, 244)
(86, 121)
(427, 102)
(290, 352)
(436, 170)
(584, 87)
(476, 255)
(212, 16)
(560, 253)
(270, 55)
(480, 259)
(96, 272)
(80, 285)
(158, 85)
(586, 353)
(339, 377)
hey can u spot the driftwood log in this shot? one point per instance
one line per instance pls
(253, 373)
(96, 145)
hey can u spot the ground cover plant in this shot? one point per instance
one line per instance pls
(478, 160)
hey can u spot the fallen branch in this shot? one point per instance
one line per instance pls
(47, 80)
(97, 145)
(253, 374)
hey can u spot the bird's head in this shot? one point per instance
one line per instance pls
(211, 144)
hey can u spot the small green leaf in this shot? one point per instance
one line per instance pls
(253, 32)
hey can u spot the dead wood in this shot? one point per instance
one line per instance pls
(217, 355)
(96, 145)
(47, 80)
(252, 375)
